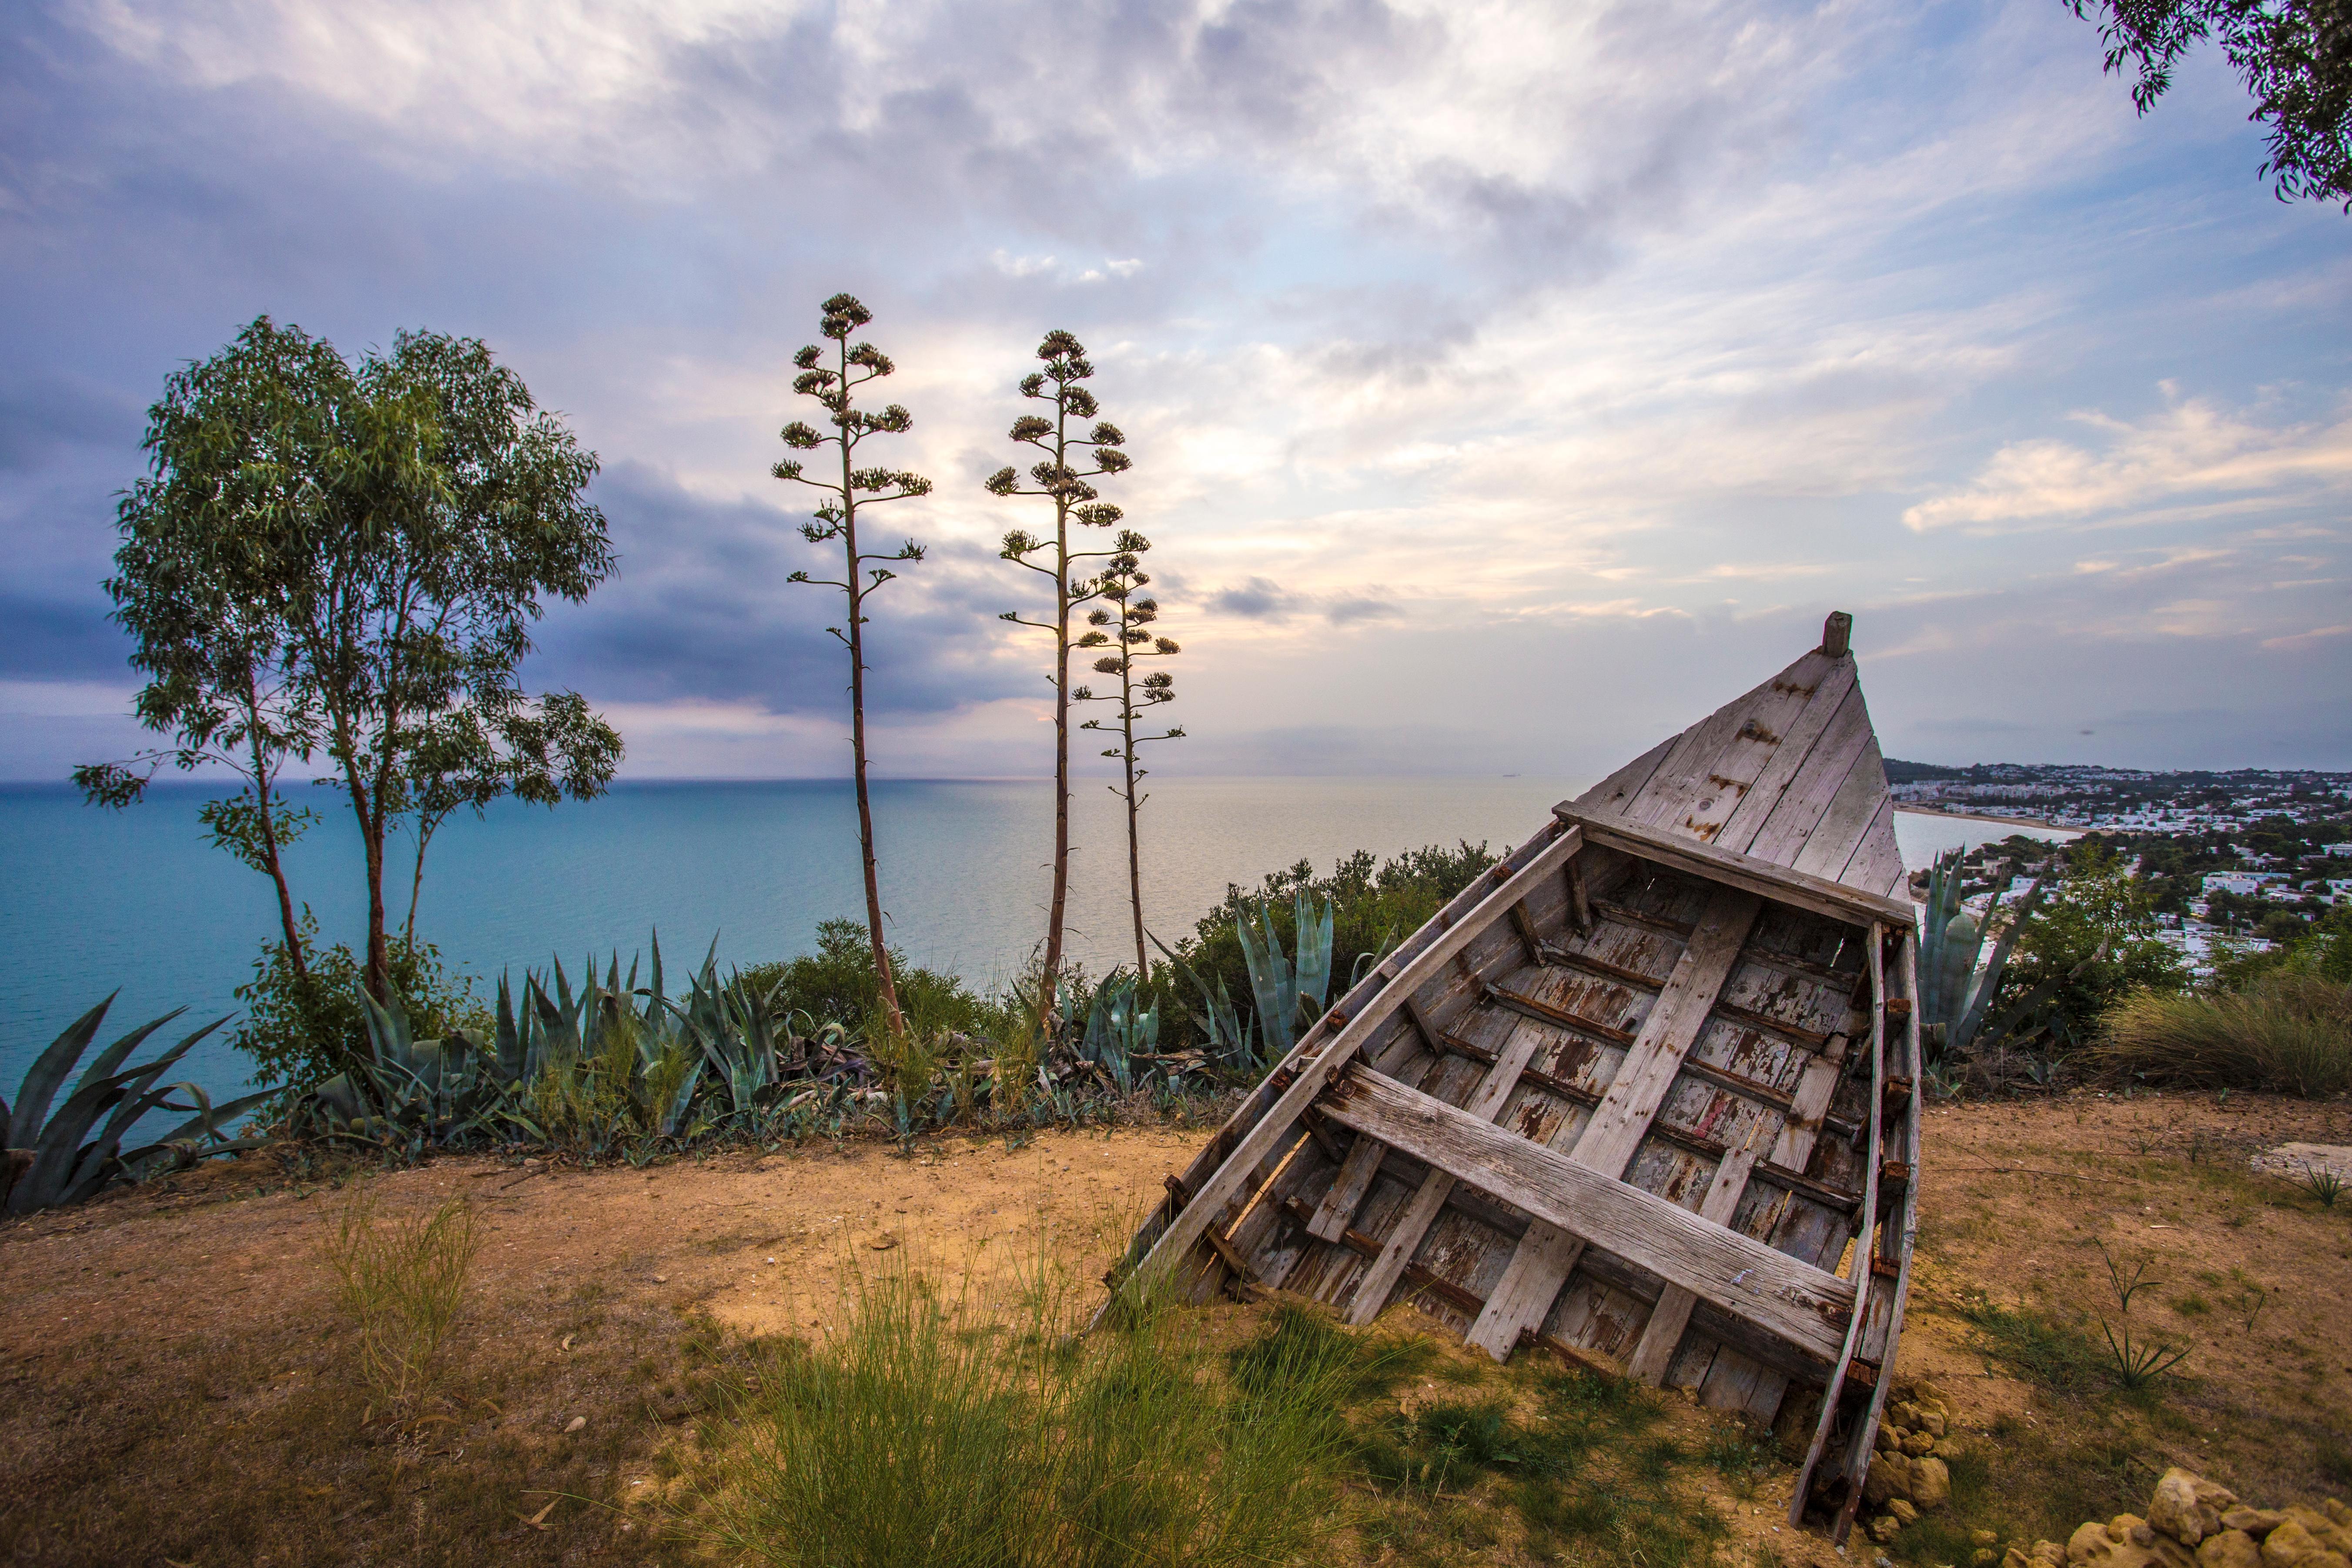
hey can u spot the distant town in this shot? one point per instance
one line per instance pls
(2238, 860)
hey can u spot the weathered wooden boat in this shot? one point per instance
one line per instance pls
(1642, 1096)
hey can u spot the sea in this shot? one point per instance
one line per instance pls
(139, 905)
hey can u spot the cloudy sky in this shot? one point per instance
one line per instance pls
(1507, 383)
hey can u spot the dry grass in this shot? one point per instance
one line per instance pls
(2291, 1034)
(401, 1282)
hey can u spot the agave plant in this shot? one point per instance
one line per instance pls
(1958, 979)
(1289, 994)
(604, 1067)
(412, 1092)
(54, 1160)
(736, 1035)
(1118, 1032)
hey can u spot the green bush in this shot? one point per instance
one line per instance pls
(837, 984)
(2095, 936)
(301, 1031)
(2289, 1031)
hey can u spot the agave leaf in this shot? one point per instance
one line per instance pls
(56, 1153)
(47, 1072)
(1314, 967)
(1990, 983)
(206, 1122)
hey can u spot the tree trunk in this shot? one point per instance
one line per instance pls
(295, 957)
(1049, 986)
(1135, 857)
(886, 985)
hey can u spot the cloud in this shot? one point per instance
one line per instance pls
(1259, 599)
(2190, 452)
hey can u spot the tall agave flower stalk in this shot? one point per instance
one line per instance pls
(1060, 476)
(834, 388)
(1123, 624)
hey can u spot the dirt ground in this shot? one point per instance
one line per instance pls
(177, 1384)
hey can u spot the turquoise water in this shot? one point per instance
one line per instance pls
(96, 900)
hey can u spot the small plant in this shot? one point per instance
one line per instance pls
(401, 1282)
(2323, 1184)
(2134, 1366)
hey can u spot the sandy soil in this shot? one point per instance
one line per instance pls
(219, 1277)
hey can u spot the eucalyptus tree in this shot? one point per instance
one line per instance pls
(234, 440)
(835, 390)
(347, 558)
(1060, 476)
(1123, 623)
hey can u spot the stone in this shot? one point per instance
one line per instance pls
(2015, 1557)
(1888, 1438)
(1932, 1422)
(2089, 1544)
(2291, 1543)
(1931, 1483)
(2334, 1508)
(577, 1424)
(2322, 1529)
(2131, 1527)
(1902, 1509)
(1983, 1557)
(2254, 1521)
(2187, 1507)
(1984, 1537)
(1927, 1392)
(2230, 1549)
(1918, 1443)
(2049, 1551)
(1889, 1477)
(1883, 1528)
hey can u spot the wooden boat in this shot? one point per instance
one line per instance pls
(1643, 1095)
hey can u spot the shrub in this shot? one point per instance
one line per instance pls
(2287, 1032)
(836, 984)
(2094, 939)
(303, 1030)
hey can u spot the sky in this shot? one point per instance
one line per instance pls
(1507, 384)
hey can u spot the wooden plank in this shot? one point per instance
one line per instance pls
(1764, 795)
(1313, 1075)
(1545, 1013)
(1545, 1257)
(1611, 794)
(1421, 1211)
(1791, 1146)
(1807, 1306)
(1779, 883)
(1711, 798)
(1875, 957)
(1808, 795)
(1878, 862)
(1579, 899)
(1863, 790)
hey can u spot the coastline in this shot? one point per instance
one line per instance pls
(2045, 826)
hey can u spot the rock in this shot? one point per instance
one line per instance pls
(1932, 1422)
(2334, 1508)
(1889, 1477)
(1918, 1443)
(1983, 1557)
(2324, 1529)
(1984, 1537)
(2187, 1507)
(2293, 1543)
(2089, 1544)
(1883, 1528)
(2254, 1521)
(1931, 1483)
(1888, 1439)
(2131, 1527)
(2049, 1551)
(577, 1423)
(1902, 1509)
(2015, 1557)
(1927, 1392)
(2233, 1547)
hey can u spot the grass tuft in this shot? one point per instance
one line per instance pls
(2287, 1032)
(402, 1283)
